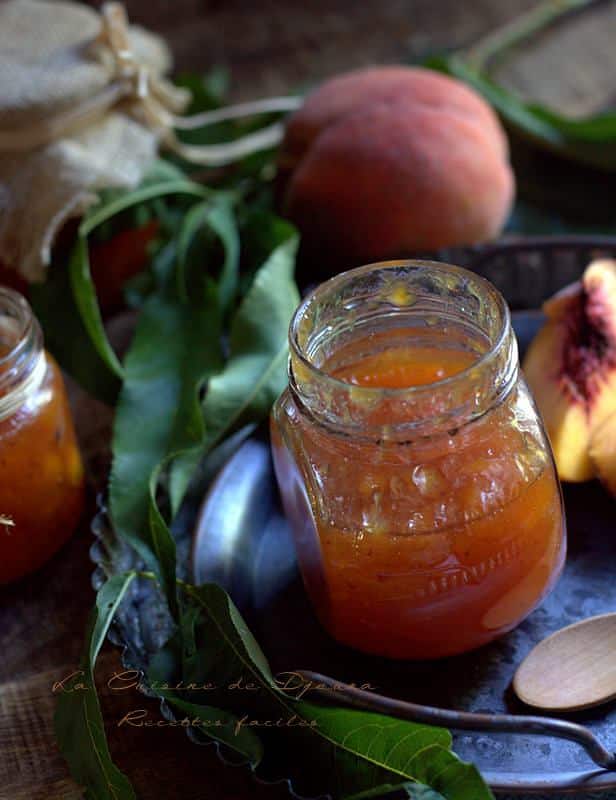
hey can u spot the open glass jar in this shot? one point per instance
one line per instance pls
(412, 463)
(41, 473)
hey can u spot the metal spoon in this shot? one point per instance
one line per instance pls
(573, 669)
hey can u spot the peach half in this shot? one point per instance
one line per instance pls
(602, 451)
(571, 369)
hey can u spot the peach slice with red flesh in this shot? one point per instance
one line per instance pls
(571, 367)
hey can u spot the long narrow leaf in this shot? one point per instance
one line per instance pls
(219, 725)
(149, 191)
(174, 347)
(82, 285)
(364, 750)
(216, 214)
(590, 141)
(66, 336)
(410, 751)
(256, 371)
(413, 791)
(87, 303)
(78, 720)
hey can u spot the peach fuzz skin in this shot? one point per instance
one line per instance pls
(393, 160)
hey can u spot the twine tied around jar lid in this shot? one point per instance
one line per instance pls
(86, 105)
(152, 99)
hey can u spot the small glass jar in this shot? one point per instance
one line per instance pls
(412, 462)
(41, 473)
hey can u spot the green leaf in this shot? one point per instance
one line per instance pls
(67, 303)
(202, 359)
(262, 232)
(410, 751)
(256, 371)
(81, 276)
(162, 430)
(235, 649)
(146, 191)
(413, 791)
(217, 215)
(222, 222)
(362, 750)
(219, 725)
(208, 91)
(66, 336)
(163, 171)
(78, 720)
(176, 345)
(87, 304)
(590, 141)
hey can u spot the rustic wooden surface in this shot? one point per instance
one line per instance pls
(275, 45)
(272, 46)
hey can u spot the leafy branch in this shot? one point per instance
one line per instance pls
(78, 720)
(367, 753)
(207, 359)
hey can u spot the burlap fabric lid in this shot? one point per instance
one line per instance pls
(54, 58)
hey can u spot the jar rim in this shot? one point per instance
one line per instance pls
(327, 287)
(23, 366)
(18, 304)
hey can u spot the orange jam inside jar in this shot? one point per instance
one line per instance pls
(412, 464)
(41, 473)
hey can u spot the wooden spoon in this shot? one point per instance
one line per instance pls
(573, 669)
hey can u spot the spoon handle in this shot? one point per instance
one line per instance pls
(461, 720)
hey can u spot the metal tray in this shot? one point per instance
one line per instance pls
(242, 541)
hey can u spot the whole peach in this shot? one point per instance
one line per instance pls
(389, 161)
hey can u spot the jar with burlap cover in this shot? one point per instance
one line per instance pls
(85, 104)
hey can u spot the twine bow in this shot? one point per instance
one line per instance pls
(151, 99)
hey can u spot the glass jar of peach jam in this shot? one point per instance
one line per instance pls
(412, 463)
(41, 473)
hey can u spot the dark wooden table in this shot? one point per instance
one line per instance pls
(269, 47)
